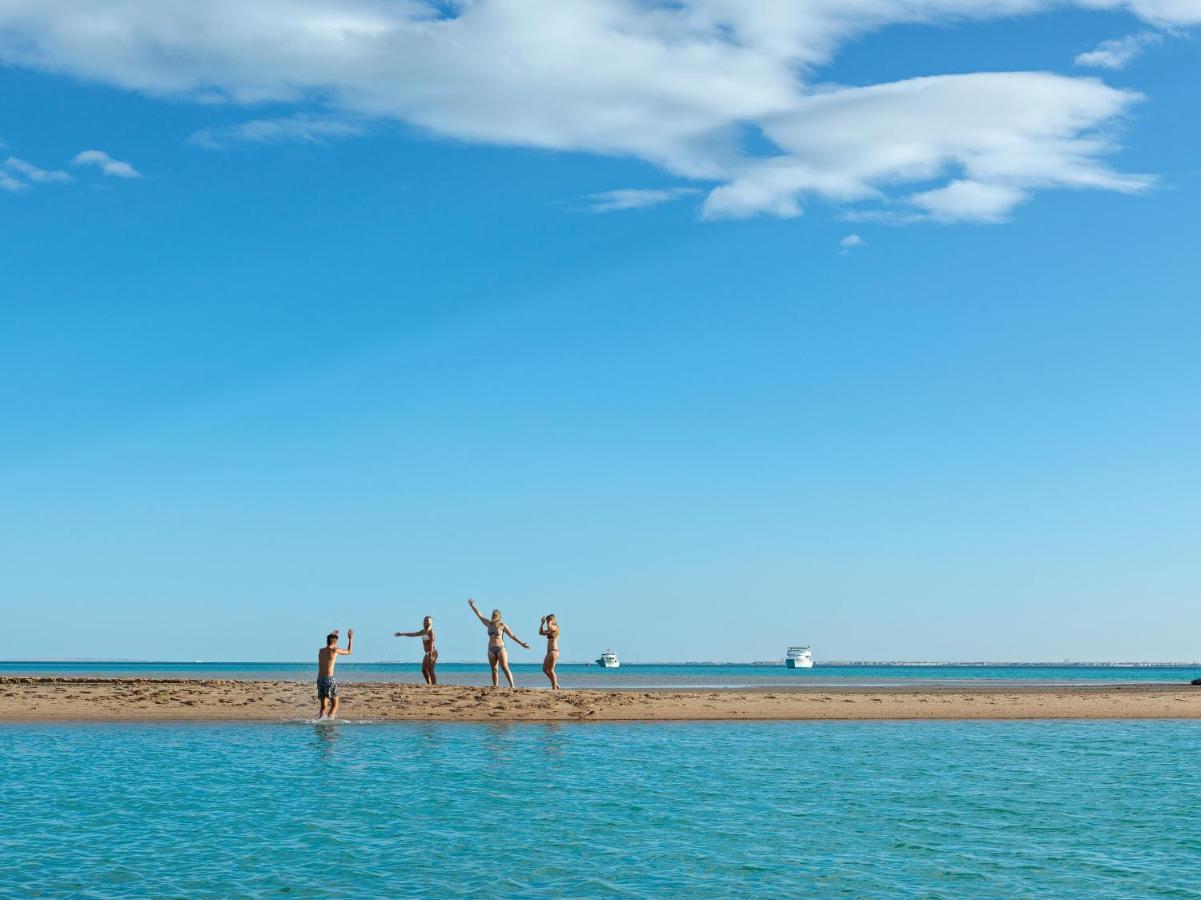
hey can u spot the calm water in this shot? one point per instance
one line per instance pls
(808, 809)
(642, 677)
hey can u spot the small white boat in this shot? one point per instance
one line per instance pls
(799, 658)
(609, 660)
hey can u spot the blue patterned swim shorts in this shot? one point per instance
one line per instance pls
(327, 688)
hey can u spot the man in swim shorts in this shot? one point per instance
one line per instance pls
(327, 658)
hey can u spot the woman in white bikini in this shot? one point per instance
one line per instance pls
(497, 654)
(431, 652)
(549, 629)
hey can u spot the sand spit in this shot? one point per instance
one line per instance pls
(35, 699)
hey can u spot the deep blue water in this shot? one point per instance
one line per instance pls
(641, 677)
(1096, 809)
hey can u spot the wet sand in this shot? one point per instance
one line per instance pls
(34, 699)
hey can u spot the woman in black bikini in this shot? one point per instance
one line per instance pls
(549, 629)
(431, 652)
(497, 654)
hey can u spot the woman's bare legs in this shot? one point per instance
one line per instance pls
(427, 668)
(504, 664)
(493, 661)
(548, 668)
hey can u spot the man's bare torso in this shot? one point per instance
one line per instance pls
(327, 658)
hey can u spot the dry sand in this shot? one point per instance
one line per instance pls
(31, 699)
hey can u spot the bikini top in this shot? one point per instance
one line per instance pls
(493, 631)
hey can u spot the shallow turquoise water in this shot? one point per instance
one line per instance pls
(815, 809)
(632, 676)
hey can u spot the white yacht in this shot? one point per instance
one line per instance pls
(799, 658)
(608, 660)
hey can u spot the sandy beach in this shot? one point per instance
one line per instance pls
(26, 699)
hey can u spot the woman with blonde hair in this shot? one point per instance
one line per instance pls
(549, 629)
(431, 652)
(497, 654)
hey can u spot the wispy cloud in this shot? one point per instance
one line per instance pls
(671, 84)
(633, 198)
(989, 136)
(1120, 52)
(30, 172)
(12, 185)
(18, 175)
(114, 168)
(307, 129)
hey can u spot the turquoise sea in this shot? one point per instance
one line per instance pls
(988, 809)
(635, 676)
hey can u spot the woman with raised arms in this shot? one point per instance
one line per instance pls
(431, 652)
(549, 629)
(497, 654)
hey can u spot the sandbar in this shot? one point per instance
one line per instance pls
(44, 699)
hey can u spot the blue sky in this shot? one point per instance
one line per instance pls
(346, 339)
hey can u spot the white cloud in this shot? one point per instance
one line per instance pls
(27, 171)
(971, 201)
(631, 198)
(1118, 53)
(114, 168)
(1010, 132)
(18, 175)
(849, 243)
(305, 129)
(673, 84)
(1162, 12)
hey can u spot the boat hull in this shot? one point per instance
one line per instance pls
(798, 663)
